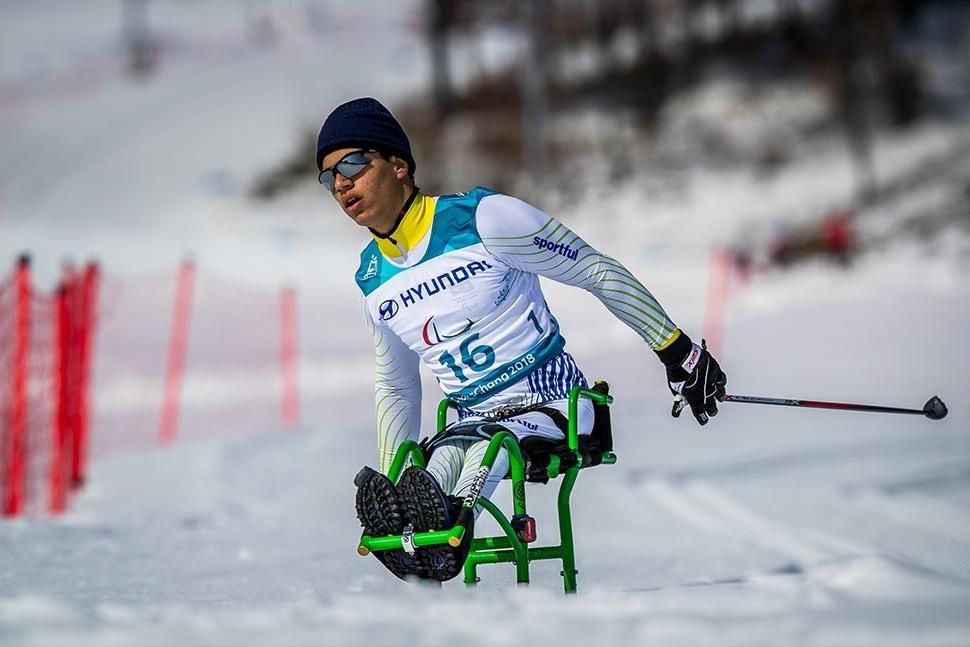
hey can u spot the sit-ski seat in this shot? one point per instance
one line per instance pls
(534, 460)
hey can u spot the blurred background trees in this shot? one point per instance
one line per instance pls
(636, 54)
(559, 100)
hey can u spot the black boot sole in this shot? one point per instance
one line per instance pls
(378, 505)
(427, 508)
(380, 513)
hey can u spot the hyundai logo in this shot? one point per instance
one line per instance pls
(388, 309)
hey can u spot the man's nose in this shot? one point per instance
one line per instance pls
(340, 182)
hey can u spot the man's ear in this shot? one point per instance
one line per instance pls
(401, 168)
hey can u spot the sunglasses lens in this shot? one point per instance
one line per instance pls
(350, 169)
(350, 166)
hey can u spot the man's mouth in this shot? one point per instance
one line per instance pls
(351, 203)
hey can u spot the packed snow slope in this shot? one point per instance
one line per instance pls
(768, 526)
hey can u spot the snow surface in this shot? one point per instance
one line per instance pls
(769, 526)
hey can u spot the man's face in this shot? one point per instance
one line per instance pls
(372, 197)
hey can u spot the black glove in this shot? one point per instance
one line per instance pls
(694, 377)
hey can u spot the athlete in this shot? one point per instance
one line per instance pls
(452, 282)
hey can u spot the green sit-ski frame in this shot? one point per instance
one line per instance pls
(509, 547)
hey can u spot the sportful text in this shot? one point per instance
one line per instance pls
(558, 248)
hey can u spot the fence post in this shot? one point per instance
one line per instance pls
(60, 425)
(16, 441)
(87, 302)
(71, 395)
(717, 291)
(288, 357)
(178, 344)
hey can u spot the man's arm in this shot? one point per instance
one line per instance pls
(397, 391)
(532, 241)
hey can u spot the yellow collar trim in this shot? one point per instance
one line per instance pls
(413, 228)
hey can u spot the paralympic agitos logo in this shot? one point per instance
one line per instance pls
(432, 336)
(389, 308)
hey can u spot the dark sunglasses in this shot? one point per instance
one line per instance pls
(350, 165)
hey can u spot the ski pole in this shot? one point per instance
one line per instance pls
(934, 409)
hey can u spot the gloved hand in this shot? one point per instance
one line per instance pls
(694, 377)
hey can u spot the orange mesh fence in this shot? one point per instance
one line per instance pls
(40, 403)
(187, 356)
(30, 385)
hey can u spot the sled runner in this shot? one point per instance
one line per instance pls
(535, 460)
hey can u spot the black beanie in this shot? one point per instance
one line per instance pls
(363, 122)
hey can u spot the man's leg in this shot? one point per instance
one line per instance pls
(472, 462)
(455, 465)
(447, 461)
(427, 506)
(453, 468)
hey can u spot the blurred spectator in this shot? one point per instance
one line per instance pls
(838, 236)
(833, 237)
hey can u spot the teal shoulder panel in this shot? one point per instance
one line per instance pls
(454, 222)
(453, 228)
(374, 269)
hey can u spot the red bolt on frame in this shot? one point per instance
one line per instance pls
(288, 357)
(178, 343)
(16, 442)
